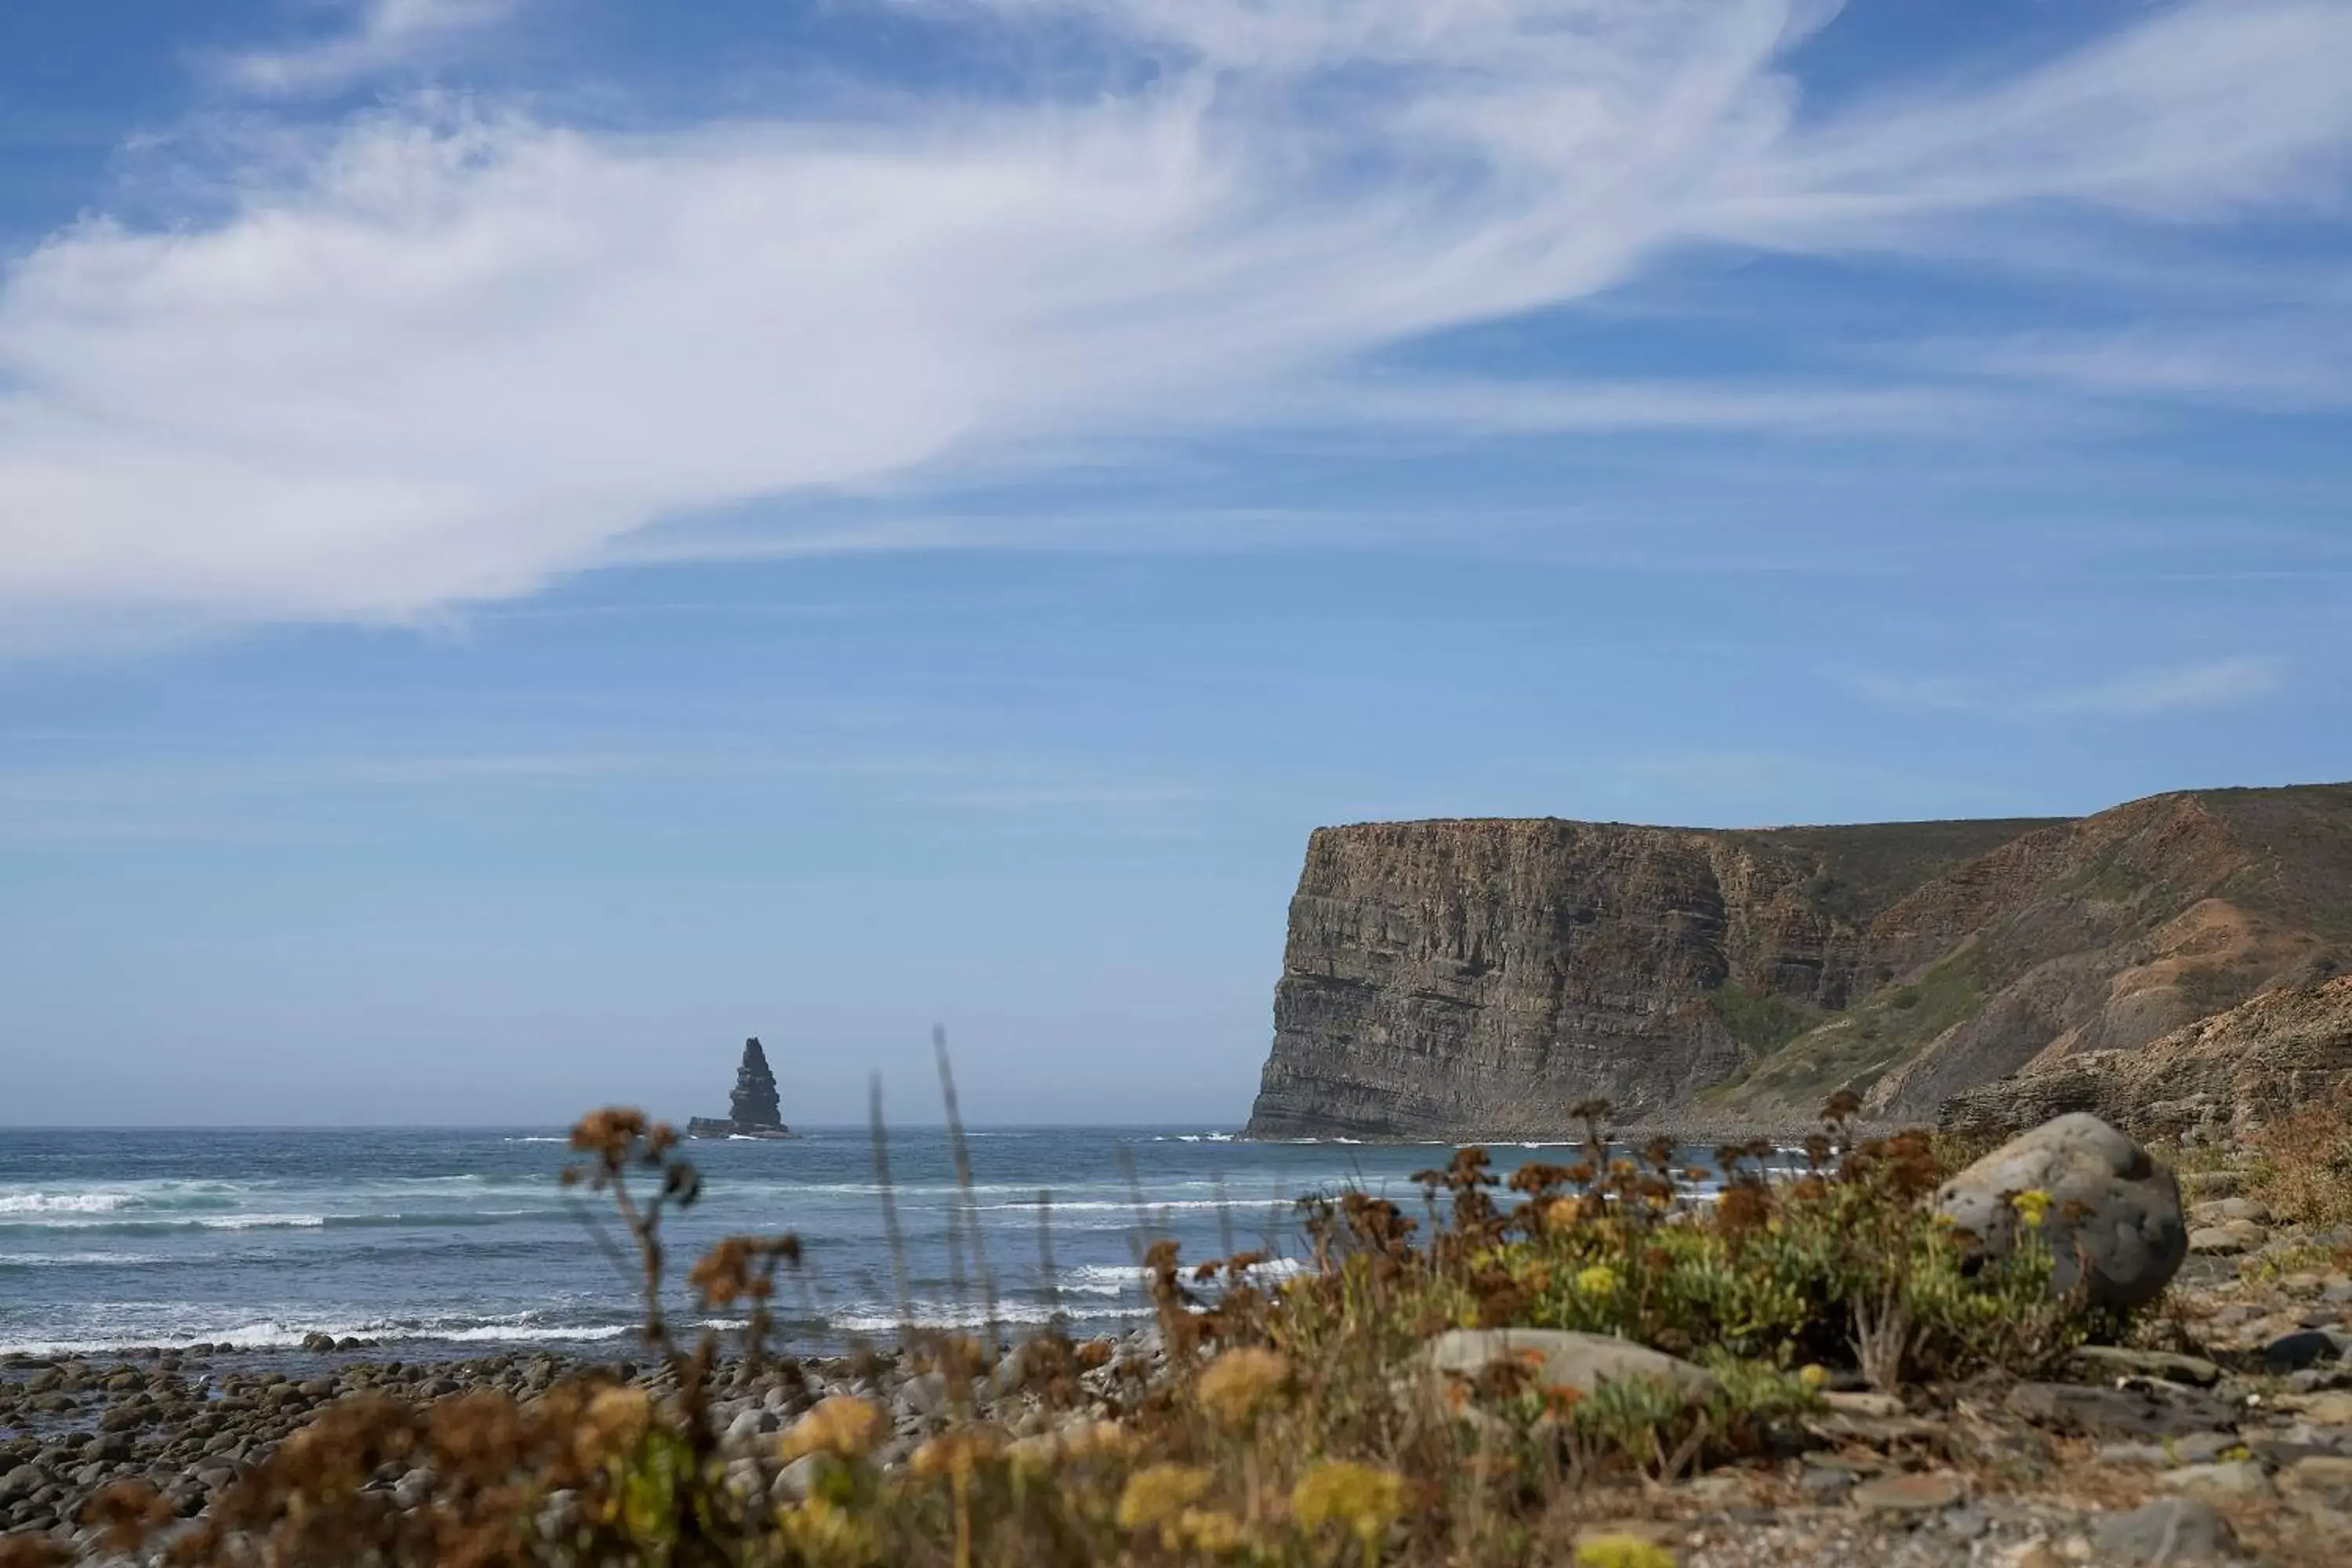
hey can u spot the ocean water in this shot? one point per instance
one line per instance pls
(462, 1241)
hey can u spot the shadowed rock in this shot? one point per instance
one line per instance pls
(753, 1110)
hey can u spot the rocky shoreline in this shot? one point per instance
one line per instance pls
(2222, 1433)
(2235, 1448)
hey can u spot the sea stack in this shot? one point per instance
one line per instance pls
(753, 1109)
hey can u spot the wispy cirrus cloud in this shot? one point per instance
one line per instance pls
(2224, 683)
(2287, 364)
(2136, 694)
(455, 350)
(385, 35)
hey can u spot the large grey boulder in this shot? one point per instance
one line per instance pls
(1561, 1358)
(2114, 1221)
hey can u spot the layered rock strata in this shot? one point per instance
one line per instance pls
(1456, 979)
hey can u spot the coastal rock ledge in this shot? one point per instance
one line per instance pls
(1477, 978)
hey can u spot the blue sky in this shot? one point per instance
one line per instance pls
(539, 537)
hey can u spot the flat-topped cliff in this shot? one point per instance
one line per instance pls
(1478, 978)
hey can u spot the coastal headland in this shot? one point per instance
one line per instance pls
(1475, 979)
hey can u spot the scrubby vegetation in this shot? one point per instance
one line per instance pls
(1296, 1423)
(2302, 1165)
(1761, 1022)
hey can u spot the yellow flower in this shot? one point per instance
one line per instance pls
(1340, 1491)
(1812, 1374)
(1598, 1280)
(1082, 1440)
(1209, 1530)
(1238, 1382)
(829, 1536)
(1158, 1494)
(1622, 1551)
(2033, 1205)
(614, 1421)
(843, 1424)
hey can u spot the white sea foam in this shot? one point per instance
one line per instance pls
(946, 1315)
(273, 1333)
(64, 1202)
(499, 1334)
(1126, 1278)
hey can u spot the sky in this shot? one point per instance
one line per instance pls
(539, 538)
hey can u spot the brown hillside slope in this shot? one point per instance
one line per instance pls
(2102, 933)
(2218, 1077)
(1477, 978)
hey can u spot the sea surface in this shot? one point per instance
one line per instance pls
(462, 1241)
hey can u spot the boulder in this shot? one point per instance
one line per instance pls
(2114, 1221)
(1561, 1358)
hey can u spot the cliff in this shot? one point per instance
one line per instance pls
(1477, 978)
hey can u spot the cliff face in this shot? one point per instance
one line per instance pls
(1478, 978)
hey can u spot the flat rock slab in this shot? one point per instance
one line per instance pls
(1928, 1493)
(2319, 1475)
(2196, 1448)
(1562, 1358)
(2120, 1413)
(1872, 1431)
(2167, 1530)
(2228, 1241)
(2117, 1360)
(2226, 1479)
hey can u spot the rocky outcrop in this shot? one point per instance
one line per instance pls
(1480, 978)
(753, 1110)
(2218, 1079)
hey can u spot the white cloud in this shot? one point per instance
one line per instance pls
(2137, 694)
(2222, 684)
(456, 352)
(2288, 364)
(389, 33)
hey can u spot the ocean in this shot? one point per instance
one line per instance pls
(461, 1241)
